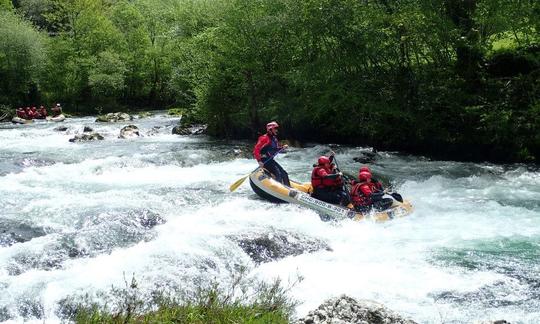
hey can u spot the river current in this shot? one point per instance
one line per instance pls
(79, 218)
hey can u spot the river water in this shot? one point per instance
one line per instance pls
(79, 218)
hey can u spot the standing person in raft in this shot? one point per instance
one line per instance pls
(266, 149)
(327, 182)
(56, 110)
(368, 193)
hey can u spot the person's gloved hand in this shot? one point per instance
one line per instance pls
(376, 196)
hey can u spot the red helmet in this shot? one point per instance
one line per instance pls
(364, 168)
(323, 160)
(271, 125)
(364, 175)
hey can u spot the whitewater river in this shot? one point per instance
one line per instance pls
(80, 218)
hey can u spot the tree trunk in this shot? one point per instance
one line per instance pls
(253, 111)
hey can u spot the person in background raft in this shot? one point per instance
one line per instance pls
(266, 149)
(42, 112)
(327, 182)
(20, 113)
(56, 110)
(367, 193)
(29, 113)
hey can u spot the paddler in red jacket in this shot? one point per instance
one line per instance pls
(266, 149)
(327, 182)
(367, 194)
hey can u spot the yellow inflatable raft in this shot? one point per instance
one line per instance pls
(299, 193)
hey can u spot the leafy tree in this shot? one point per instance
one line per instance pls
(21, 59)
(6, 5)
(156, 18)
(129, 20)
(85, 32)
(36, 11)
(106, 77)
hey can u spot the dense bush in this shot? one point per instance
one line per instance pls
(456, 79)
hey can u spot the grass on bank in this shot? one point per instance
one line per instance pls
(242, 301)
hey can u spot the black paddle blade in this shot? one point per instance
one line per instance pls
(397, 196)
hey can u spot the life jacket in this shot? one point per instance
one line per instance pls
(21, 114)
(318, 182)
(358, 197)
(267, 147)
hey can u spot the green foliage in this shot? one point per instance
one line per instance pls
(176, 111)
(106, 77)
(35, 11)
(453, 76)
(6, 5)
(21, 58)
(6, 112)
(243, 301)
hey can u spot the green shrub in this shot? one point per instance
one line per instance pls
(241, 301)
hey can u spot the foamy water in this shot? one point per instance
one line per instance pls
(469, 251)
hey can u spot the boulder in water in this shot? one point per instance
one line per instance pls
(12, 232)
(267, 247)
(114, 117)
(240, 152)
(154, 131)
(367, 157)
(194, 129)
(129, 132)
(345, 309)
(87, 135)
(61, 128)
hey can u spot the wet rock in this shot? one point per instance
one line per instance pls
(114, 117)
(144, 114)
(239, 152)
(194, 129)
(345, 309)
(154, 131)
(30, 308)
(61, 128)
(97, 235)
(4, 314)
(12, 232)
(129, 131)
(266, 247)
(87, 135)
(148, 218)
(367, 157)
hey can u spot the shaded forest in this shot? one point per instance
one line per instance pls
(453, 79)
